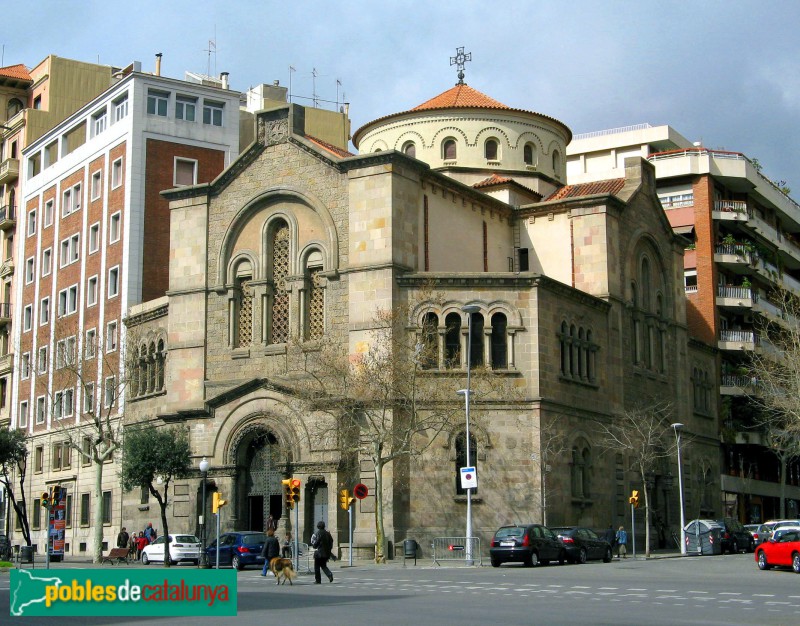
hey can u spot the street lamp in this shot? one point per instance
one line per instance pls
(678, 427)
(469, 309)
(203, 561)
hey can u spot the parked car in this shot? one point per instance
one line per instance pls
(784, 523)
(708, 532)
(760, 532)
(782, 550)
(735, 536)
(583, 544)
(238, 549)
(181, 548)
(5, 548)
(531, 544)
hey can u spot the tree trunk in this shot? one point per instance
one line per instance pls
(380, 533)
(646, 518)
(783, 486)
(97, 531)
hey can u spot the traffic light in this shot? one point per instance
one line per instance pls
(295, 485)
(634, 499)
(287, 493)
(46, 500)
(217, 502)
(345, 500)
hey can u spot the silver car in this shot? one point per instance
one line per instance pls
(181, 548)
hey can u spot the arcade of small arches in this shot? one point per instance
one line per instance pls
(491, 152)
(578, 353)
(148, 368)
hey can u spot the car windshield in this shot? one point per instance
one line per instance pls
(562, 531)
(251, 540)
(186, 539)
(511, 531)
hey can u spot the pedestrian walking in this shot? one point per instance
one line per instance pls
(271, 549)
(610, 536)
(141, 542)
(622, 543)
(322, 542)
(286, 552)
(150, 533)
(271, 523)
(122, 538)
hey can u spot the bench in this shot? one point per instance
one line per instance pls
(117, 555)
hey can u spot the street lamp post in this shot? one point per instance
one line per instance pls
(469, 309)
(203, 562)
(678, 427)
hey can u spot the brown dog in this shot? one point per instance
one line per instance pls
(282, 569)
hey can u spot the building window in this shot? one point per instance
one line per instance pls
(244, 305)
(85, 509)
(113, 282)
(499, 341)
(70, 249)
(185, 172)
(25, 365)
(111, 337)
(578, 353)
(429, 345)
(452, 341)
(185, 108)
(47, 261)
(120, 108)
(94, 238)
(157, 102)
(48, 214)
(529, 154)
(106, 507)
(65, 352)
(449, 149)
(114, 227)
(410, 149)
(44, 311)
(476, 350)
(38, 459)
(279, 248)
(461, 459)
(116, 173)
(314, 298)
(31, 230)
(91, 343)
(68, 301)
(68, 512)
(556, 162)
(71, 201)
(491, 149)
(57, 455)
(88, 398)
(97, 184)
(91, 291)
(23, 414)
(99, 122)
(30, 270)
(37, 514)
(86, 451)
(212, 112)
(27, 317)
(580, 471)
(110, 392)
(144, 495)
(40, 410)
(41, 360)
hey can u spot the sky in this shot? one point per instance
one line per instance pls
(726, 73)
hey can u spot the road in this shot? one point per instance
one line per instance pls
(719, 590)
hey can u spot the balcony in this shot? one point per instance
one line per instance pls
(6, 364)
(730, 210)
(8, 216)
(737, 257)
(9, 171)
(738, 298)
(732, 385)
(738, 340)
(7, 268)
(5, 312)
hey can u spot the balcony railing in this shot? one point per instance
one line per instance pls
(8, 216)
(5, 311)
(739, 336)
(736, 249)
(738, 293)
(731, 206)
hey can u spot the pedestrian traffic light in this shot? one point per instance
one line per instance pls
(345, 500)
(217, 502)
(295, 485)
(287, 493)
(634, 499)
(46, 500)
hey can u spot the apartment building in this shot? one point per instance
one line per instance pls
(94, 241)
(743, 240)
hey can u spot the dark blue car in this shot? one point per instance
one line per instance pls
(237, 549)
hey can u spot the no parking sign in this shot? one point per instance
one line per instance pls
(469, 478)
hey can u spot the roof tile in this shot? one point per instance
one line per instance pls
(330, 147)
(461, 96)
(18, 71)
(612, 186)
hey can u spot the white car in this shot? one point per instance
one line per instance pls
(181, 548)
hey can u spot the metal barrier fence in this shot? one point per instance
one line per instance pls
(458, 550)
(304, 564)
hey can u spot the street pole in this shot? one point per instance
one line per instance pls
(217, 539)
(677, 427)
(633, 529)
(470, 310)
(296, 538)
(203, 561)
(350, 523)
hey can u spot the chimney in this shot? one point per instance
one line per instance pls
(224, 78)
(158, 63)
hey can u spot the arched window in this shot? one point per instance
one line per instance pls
(645, 280)
(529, 154)
(142, 363)
(161, 358)
(449, 149)
(581, 354)
(499, 343)
(452, 341)
(490, 149)
(556, 162)
(151, 368)
(14, 106)
(279, 270)
(564, 343)
(429, 349)
(244, 305)
(590, 357)
(410, 149)
(315, 297)
(573, 349)
(580, 470)
(461, 459)
(476, 350)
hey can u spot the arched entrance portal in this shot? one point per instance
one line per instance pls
(263, 460)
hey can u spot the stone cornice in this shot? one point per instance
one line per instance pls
(146, 316)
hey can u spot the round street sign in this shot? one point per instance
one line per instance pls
(360, 491)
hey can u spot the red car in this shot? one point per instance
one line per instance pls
(782, 549)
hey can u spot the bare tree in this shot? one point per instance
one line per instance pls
(643, 435)
(97, 375)
(14, 462)
(378, 403)
(552, 445)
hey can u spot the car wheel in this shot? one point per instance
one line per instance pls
(752, 547)
(236, 563)
(762, 560)
(582, 556)
(796, 562)
(145, 560)
(607, 557)
(734, 547)
(533, 560)
(496, 562)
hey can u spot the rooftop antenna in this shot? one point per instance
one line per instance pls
(459, 60)
(212, 49)
(314, 86)
(338, 84)
(291, 71)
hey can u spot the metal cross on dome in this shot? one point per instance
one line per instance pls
(459, 61)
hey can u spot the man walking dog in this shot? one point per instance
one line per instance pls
(322, 541)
